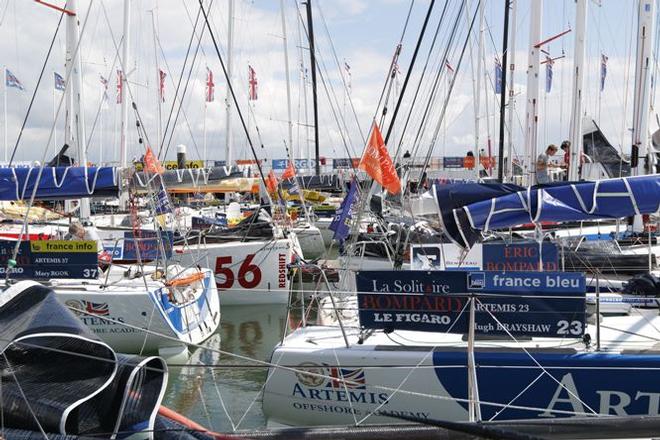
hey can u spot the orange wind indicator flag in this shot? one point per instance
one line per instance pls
(290, 171)
(377, 162)
(271, 182)
(151, 163)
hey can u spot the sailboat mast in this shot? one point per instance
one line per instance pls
(533, 67)
(477, 98)
(123, 146)
(505, 53)
(578, 85)
(76, 122)
(512, 98)
(159, 96)
(294, 152)
(228, 98)
(312, 55)
(643, 89)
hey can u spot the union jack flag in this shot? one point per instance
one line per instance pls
(60, 84)
(210, 86)
(12, 81)
(93, 308)
(161, 76)
(252, 81)
(120, 86)
(350, 378)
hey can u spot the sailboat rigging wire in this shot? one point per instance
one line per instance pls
(102, 102)
(435, 91)
(329, 96)
(409, 72)
(45, 151)
(178, 85)
(170, 76)
(343, 81)
(233, 95)
(421, 79)
(302, 369)
(11, 370)
(451, 88)
(538, 364)
(185, 89)
(36, 89)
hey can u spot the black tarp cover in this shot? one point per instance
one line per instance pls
(58, 377)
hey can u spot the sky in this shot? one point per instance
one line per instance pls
(362, 34)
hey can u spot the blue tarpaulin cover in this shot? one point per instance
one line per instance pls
(603, 199)
(57, 183)
(453, 196)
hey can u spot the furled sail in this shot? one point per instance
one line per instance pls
(58, 183)
(453, 196)
(574, 201)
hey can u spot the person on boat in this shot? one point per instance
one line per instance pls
(543, 164)
(78, 232)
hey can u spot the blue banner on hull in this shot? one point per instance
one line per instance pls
(549, 304)
(150, 246)
(573, 384)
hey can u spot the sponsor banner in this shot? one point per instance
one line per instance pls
(443, 256)
(520, 257)
(342, 164)
(568, 283)
(47, 246)
(545, 304)
(300, 164)
(41, 260)
(173, 164)
(149, 244)
(219, 163)
(489, 256)
(452, 162)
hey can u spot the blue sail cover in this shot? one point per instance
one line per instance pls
(453, 196)
(58, 183)
(603, 199)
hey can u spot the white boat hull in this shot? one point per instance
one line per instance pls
(252, 272)
(134, 318)
(424, 376)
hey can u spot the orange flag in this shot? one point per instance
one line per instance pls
(271, 182)
(290, 171)
(151, 163)
(378, 164)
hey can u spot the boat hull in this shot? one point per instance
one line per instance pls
(120, 314)
(428, 383)
(251, 272)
